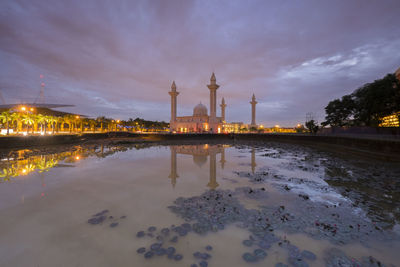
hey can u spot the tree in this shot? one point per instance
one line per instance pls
(312, 126)
(5, 117)
(28, 119)
(367, 105)
(339, 112)
(42, 120)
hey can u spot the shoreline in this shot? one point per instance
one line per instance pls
(388, 150)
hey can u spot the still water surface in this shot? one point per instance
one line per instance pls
(275, 202)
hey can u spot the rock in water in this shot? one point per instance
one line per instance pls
(308, 255)
(141, 250)
(249, 257)
(114, 224)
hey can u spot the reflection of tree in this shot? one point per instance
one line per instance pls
(20, 163)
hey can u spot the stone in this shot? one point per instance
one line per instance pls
(155, 246)
(203, 264)
(209, 248)
(260, 254)
(308, 255)
(165, 231)
(140, 234)
(280, 264)
(174, 239)
(161, 251)
(114, 224)
(170, 250)
(97, 220)
(151, 229)
(149, 254)
(248, 257)
(141, 250)
(298, 262)
(178, 257)
(247, 243)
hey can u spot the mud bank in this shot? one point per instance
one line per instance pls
(374, 148)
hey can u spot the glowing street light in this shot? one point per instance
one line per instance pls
(77, 117)
(277, 126)
(23, 108)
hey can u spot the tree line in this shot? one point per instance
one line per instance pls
(31, 122)
(367, 105)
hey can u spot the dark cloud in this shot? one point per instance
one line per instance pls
(118, 58)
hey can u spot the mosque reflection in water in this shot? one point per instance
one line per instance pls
(200, 154)
(20, 163)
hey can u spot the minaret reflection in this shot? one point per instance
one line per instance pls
(253, 160)
(173, 175)
(222, 160)
(212, 184)
(200, 154)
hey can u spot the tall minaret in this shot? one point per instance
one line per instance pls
(173, 93)
(253, 111)
(223, 106)
(213, 86)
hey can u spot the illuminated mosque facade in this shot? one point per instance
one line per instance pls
(200, 121)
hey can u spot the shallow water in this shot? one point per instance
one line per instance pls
(283, 199)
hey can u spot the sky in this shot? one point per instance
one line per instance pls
(119, 58)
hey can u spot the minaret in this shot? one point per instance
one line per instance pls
(173, 175)
(213, 86)
(173, 93)
(223, 106)
(253, 111)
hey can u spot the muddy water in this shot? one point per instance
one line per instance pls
(254, 205)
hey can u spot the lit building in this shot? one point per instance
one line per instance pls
(200, 121)
(391, 121)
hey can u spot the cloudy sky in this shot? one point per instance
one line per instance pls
(119, 58)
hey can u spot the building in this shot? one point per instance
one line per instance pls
(200, 121)
(394, 119)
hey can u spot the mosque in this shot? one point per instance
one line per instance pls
(200, 121)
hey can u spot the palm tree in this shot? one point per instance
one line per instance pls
(101, 119)
(42, 121)
(52, 120)
(16, 117)
(28, 120)
(5, 117)
(49, 119)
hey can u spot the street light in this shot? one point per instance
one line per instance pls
(23, 108)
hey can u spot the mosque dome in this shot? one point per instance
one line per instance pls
(200, 110)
